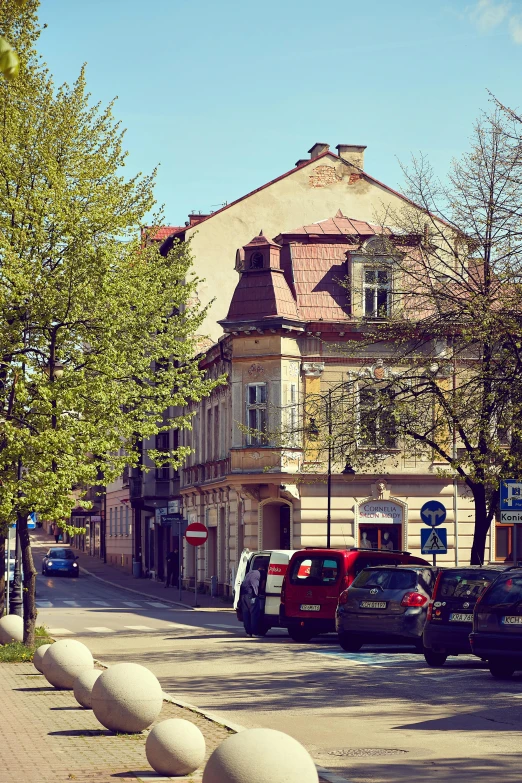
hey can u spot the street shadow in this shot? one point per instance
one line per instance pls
(67, 708)
(82, 733)
(505, 769)
(36, 690)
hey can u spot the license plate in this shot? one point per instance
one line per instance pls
(456, 617)
(310, 607)
(512, 620)
(373, 604)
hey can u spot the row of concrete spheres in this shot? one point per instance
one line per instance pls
(128, 698)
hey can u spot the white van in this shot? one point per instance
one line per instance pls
(275, 562)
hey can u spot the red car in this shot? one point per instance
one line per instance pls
(315, 579)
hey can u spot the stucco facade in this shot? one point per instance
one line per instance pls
(258, 494)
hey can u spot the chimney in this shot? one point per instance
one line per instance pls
(301, 161)
(318, 148)
(195, 218)
(353, 153)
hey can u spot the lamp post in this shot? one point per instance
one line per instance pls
(16, 602)
(313, 434)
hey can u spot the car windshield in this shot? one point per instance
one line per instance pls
(314, 570)
(386, 578)
(506, 590)
(464, 584)
(61, 554)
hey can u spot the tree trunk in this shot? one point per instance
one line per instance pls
(482, 523)
(29, 591)
(2, 575)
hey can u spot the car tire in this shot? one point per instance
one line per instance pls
(44, 571)
(349, 642)
(300, 635)
(501, 670)
(433, 658)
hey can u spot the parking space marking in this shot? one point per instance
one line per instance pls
(372, 659)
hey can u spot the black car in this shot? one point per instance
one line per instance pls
(385, 604)
(450, 612)
(60, 561)
(497, 625)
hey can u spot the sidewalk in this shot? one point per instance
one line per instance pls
(47, 738)
(147, 587)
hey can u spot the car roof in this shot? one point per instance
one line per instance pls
(485, 567)
(403, 566)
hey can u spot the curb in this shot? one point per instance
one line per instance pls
(152, 597)
(326, 774)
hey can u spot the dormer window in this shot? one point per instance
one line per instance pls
(377, 293)
(256, 261)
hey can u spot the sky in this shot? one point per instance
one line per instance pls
(224, 96)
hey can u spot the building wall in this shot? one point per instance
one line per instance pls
(309, 194)
(118, 530)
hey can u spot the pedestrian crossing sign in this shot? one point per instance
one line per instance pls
(434, 541)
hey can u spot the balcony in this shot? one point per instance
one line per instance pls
(208, 471)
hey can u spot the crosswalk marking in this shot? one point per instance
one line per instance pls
(44, 604)
(157, 605)
(222, 625)
(139, 628)
(72, 603)
(99, 629)
(101, 603)
(130, 603)
(59, 631)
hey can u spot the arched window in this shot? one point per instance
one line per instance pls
(256, 261)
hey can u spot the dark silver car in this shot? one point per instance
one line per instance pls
(385, 605)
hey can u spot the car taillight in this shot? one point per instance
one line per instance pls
(430, 611)
(413, 599)
(283, 591)
(345, 583)
(343, 598)
(434, 593)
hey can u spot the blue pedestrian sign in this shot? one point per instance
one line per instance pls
(510, 495)
(434, 541)
(433, 513)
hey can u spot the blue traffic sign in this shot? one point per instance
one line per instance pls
(433, 513)
(434, 542)
(510, 495)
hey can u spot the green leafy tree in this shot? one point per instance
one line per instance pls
(96, 327)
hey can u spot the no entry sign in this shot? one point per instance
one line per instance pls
(196, 534)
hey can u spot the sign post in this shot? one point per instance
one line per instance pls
(433, 513)
(511, 509)
(196, 535)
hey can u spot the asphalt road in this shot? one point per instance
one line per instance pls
(378, 716)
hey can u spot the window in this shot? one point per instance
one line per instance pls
(256, 414)
(163, 473)
(256, 261)
(162, 441)
(127, 526)
(504, 541)
(387, 579)
(386, 536)
(376, 290)
(377, 427)
(466, 585)
(507, 589)
(111, 528)
(314, 571)
(291, 420)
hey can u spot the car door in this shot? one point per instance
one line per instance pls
(499, 611)
(277, 568)
(242, 569)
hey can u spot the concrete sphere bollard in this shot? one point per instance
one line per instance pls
(11, 629)
(175, 747)
(38, 657)
(83, 686)
(127, 698)
(260, 756)
(64, 661)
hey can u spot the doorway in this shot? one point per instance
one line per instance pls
(276, 533)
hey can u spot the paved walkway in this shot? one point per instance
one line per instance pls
(45, 737)
(146, 587)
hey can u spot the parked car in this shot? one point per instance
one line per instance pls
(386, 604)
(497, 625)
(60, 561)
(275, 563)
(316, 578)
(450, 611)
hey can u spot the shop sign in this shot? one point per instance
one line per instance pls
(381, 512)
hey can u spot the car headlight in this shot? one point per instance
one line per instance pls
(75, 565)
(49, 562)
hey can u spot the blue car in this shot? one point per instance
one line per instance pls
(60, 562)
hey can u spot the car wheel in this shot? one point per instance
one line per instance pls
(434, 658)
(300, 635)
(501, 670)
(350, 642)
(44, 571)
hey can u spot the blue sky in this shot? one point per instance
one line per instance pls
(227, 95)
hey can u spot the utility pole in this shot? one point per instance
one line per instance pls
(329, 490)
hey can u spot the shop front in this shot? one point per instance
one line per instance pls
(381, 524)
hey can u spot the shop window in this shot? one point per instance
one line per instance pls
(504, 542)
(387, 537)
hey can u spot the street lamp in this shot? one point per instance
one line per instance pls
(16, 601)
